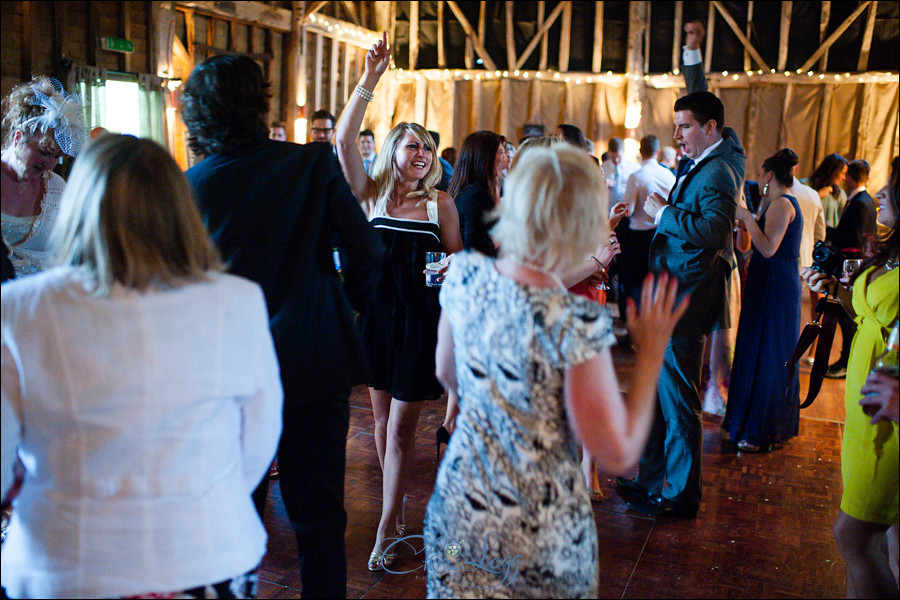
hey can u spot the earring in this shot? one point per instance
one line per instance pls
(765, 189)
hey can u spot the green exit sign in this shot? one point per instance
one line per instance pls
(116, 45)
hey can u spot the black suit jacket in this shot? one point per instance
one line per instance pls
(276, 211)
(8, 271)
(857, 221)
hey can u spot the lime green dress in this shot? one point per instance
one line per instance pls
(869, 457)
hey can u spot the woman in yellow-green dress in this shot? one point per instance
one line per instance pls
(869, 457)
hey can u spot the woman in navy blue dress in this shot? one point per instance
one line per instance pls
(757, 417)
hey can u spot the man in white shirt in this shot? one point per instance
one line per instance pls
(616, 170)
(668, 157)
(366, 143)
(649, 178)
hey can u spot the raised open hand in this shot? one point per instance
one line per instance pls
(379, 56)
(651, 328)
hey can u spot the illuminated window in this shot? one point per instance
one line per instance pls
(122, 107)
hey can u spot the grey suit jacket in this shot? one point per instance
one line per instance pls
(693, 240)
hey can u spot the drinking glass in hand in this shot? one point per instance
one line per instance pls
(434, 263)
(850, 267)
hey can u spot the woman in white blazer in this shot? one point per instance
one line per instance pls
(147, 387)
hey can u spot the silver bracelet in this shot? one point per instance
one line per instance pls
(364, 93)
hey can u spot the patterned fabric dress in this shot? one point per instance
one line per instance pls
(399, 326)
(510, 515)
(28, 238)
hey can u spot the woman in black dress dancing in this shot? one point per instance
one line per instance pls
(400, 325)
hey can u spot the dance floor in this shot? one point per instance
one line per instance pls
(763, 531)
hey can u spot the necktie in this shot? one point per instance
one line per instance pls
(684, 166)
(367, 163)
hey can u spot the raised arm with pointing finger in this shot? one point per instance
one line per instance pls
(377, 60)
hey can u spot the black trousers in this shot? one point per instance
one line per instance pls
(311, 462)
(635, 263)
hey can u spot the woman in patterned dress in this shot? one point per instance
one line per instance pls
(400, 325)
(510, 515)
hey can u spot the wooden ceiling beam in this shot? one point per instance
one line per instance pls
(476, 42)
(834, 36)
(740, 35)
(539, 34)
(867, 38)
(245, 13)
(787, 9)
(597, 56)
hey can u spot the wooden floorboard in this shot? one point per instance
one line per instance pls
(763, 531)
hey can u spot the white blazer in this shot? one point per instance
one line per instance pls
(147, 421)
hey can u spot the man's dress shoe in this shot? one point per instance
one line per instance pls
(657, 506)
(630, 488)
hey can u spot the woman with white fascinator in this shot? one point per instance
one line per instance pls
(41, 123)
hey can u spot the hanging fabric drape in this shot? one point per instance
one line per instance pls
(151, 108)
(89, 84)
(857, 120)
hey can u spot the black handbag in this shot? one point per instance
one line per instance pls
(823, 328)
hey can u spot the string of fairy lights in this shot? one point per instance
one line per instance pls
(661, 80)
(364, 38)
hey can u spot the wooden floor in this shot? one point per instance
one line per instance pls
(763, 531)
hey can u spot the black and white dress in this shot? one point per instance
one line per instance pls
(399, 326)
(510, 515)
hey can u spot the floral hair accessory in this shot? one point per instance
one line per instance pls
(62, 114)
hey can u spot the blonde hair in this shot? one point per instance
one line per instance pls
(385, 172)
(128, 215)
(20, 106)
(533, 142)
(555, 208)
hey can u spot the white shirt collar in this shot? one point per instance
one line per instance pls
(708, 151)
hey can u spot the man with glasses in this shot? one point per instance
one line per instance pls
(322, 126)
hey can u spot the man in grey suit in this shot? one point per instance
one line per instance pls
(693, 242)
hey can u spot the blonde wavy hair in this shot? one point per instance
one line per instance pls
(533, 142)
(19, 106)
(554, 208)
(128, 216)
(385, 172)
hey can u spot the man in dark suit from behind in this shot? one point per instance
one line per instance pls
(693, 242)
(856, 227)
(275, 211)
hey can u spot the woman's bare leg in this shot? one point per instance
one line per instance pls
(398, 460)
(452, 411)
(381, 408)
(864, 547)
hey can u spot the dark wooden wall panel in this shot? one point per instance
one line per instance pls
(73, 33)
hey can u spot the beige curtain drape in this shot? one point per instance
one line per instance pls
(857, 120)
